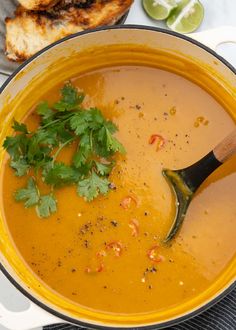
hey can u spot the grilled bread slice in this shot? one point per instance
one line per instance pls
(37, 4)
(30, 31)
(47, 4)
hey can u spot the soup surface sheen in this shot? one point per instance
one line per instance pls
(65, 250)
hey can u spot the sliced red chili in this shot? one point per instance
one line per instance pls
(159, 139)
(127, 202)
(153, 254)
(134, 225)
(96, 264)
(101, 254)
(117, 247)
(98, 269)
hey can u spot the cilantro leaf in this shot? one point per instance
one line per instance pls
(11, 144)
(92, 186)
(46, 137)
(70, 100)
(70, 94)
(83, 152)
(46, 206)
(113, 144)
(111, 127)
(91, 119)
(60, 175)
(80, 157)
(80, 122)
(62, 133)
(97, 118)
(106, 144)
(104, 169)
(16, 145)
(29, 195)
(45, 112)
(20, 166)
(19, 127)
(91, 163)
(38, 152)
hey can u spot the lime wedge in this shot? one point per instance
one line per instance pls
(159, 9)
(187, 17)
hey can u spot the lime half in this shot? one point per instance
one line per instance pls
(159, 9)
(187, 17)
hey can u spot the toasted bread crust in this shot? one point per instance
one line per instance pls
(37, 4)
(29, 31)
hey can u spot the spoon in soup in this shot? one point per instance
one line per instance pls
(186, 181)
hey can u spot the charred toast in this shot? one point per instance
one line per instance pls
(30, 31)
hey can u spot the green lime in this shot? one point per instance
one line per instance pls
(159, 9)
(187, 17)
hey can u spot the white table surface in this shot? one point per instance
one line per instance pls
(217, 13)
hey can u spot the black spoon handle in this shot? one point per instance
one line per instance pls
(195, 174)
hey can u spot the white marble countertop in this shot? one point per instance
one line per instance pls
(217, 13)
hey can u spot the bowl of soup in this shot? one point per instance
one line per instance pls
(95, 256)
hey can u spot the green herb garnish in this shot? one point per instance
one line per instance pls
(34, 154)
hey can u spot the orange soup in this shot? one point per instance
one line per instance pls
(108, 254)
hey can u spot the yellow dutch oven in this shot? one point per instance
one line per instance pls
(58, 62)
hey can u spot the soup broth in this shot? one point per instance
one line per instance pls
(99, 254)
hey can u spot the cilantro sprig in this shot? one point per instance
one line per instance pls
(34, 154)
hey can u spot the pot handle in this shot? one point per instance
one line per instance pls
(31, 318)
(214, 37)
